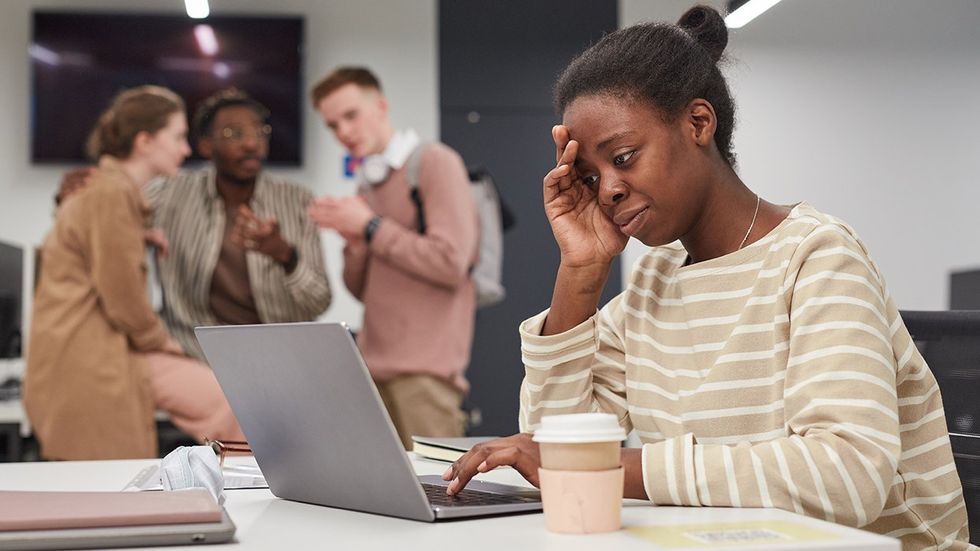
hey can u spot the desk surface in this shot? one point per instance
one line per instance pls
(266, 522)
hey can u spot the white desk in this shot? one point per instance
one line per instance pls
(266, 522)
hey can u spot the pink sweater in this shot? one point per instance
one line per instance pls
(419, 301)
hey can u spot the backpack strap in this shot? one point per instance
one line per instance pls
(414, 163)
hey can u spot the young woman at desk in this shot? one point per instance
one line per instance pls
(755, 352)
(100, 360)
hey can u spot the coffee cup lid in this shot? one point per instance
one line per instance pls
(579, 428)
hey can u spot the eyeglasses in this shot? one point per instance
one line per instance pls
(222, 449)
(238, 133)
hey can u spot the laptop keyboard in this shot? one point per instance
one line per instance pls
(437, 496)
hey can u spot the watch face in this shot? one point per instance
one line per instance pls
(375, 169)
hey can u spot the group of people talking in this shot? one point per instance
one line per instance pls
(755, 352)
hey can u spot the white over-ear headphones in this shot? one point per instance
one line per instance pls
(375, 169)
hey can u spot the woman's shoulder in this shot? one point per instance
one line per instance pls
(110, 185)
(809, 229)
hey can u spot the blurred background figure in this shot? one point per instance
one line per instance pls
(101, 361)
(407, 260)
(239, 246)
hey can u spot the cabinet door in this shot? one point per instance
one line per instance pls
(507, 53)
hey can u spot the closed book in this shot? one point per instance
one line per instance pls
(62, 510)
(445, 449)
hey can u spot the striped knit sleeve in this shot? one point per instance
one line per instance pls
(841, 448)
(580, 370)
(307, 284)
(153, 192)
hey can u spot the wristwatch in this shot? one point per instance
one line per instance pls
(371, 227)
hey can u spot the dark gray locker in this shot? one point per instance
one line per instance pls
(498, 63)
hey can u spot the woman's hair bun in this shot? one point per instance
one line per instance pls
(707, 27)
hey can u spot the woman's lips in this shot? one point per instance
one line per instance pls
(631, 227)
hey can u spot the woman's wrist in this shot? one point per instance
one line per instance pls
(576, 296)
(584, 279)
(633, 487)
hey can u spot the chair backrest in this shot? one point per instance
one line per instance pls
(964, 290)
(950, 343)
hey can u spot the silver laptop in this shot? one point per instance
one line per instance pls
(321, 433)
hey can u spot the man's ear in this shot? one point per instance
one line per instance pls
(700, 118)
(205, 147)
(382, 104)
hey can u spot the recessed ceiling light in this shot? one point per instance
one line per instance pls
(197, 9)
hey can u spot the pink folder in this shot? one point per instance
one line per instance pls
(57, 510)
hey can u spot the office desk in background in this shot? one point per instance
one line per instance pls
(266, 522)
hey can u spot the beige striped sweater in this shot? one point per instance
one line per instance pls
(780, 375)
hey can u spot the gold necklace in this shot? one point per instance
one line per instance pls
(752, 225)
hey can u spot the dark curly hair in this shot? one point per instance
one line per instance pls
(666, 65)
(208, 109)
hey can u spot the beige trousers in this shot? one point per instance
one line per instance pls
(187, 390)
(422, 405)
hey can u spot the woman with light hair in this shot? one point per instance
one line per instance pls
(99, 360)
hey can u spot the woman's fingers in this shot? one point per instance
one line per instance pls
(562, 176)
(559, 133)
(556, 181)
(524, 463)
(517, 451)
(569, 154)
(465, 468)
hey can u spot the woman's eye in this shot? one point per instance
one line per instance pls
(590, 181)
(622, 158)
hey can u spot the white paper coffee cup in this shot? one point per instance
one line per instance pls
(580, 441)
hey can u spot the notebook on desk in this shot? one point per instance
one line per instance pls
(445, 449)
(86, 520)
(320, 432)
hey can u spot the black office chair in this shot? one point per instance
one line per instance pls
(950, 343)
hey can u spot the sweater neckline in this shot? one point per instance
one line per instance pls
(744, 254)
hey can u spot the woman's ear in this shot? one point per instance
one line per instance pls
(701, 119)
(141, 141)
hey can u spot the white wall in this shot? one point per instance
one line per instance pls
(397, 39)
(869, 114)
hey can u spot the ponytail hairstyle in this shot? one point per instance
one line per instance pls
(141, 109)
(666, 65)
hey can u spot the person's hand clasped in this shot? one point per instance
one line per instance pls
(154, 237)
(585, 235)
(517, 451)
(260, 235)
(74, 180)
(346, 215)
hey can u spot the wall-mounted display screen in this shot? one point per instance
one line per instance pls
(80, 61)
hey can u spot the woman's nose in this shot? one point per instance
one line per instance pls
(612, 192)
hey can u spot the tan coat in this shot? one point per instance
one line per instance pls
(87, 390)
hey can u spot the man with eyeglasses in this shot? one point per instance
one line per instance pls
(237, 245)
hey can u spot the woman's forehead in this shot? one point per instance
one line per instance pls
(595, 120)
